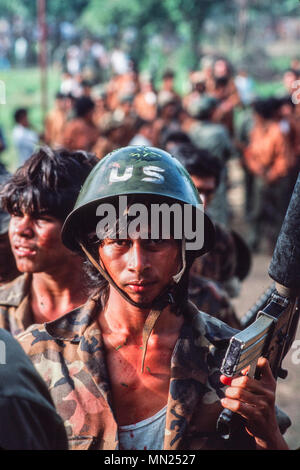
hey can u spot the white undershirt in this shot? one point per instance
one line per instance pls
(144, 435)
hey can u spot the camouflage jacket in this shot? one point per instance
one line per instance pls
(211, 298)
(219, 263)
(69, 354)
(15, 311)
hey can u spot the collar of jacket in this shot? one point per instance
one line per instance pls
(72, 325)
(195, 389)
(14, 292)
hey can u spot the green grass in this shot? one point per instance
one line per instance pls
(22, 89)
(269, 88)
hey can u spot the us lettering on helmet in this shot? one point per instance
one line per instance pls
(115, 178)
(153, 174)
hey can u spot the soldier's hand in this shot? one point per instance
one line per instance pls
(254, 400)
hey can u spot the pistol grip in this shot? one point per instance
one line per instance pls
(231, 428)
(224, 423)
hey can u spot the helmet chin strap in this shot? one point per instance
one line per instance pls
(156, 307)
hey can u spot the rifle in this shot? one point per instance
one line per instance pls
(272, 333)
(251, 315)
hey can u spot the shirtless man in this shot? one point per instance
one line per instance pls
(135, 368)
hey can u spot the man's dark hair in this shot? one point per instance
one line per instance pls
(168, 74)
(267, 107)
(140, 123)
(293, 71)
(176, 137)
(19, 114)
(83, 106)
(221, 82)
(199, 162)
(60, 96)
(47, 183)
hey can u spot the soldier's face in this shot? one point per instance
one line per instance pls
(142, 268)
(36, 243)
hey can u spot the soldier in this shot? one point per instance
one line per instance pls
(112, 134)
(167, 87)
(81, 132)
(270, 156)
(224, 263)
(224, 89)
(145, 101)
(211, 271)
(38, 197)
(135, 368)
(214, 137)
(55, 121)
(24, 138)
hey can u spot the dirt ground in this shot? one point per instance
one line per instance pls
(287, 394)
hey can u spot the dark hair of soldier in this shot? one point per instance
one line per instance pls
(197, 161)
(99, 285)
(47, 183)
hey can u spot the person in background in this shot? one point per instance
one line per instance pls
(205, 133)
(143, 133)
(145, 101)
(225, 91)
(111, 136)
(81, 133)
(270, 157)
(24, 138)
(212, 274)
(223, 263)
(55, 121)
(167, 88)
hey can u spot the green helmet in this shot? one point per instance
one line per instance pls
(134, 170)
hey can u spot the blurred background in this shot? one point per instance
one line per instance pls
(220, 75)
(88, 37)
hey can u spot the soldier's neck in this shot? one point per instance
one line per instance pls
(120, 317)
(53, 296)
